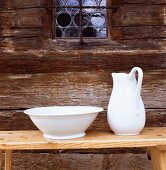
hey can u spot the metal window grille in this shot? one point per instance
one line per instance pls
(81, 19)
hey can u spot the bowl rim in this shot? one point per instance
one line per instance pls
(92, 109)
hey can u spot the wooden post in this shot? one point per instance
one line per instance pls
(158, 158)
(0, 159)
(8, 159)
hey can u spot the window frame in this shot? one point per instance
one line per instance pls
(85, 39)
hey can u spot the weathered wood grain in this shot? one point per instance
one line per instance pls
(19, 21)
(9, 44)
(16, 4)
(17, 120)
(6, 18)
(128, 161)
(63, 48)
(141, 32)
(146, 2)
(13, 4)
(25, 3)
(139, 15)
(22, 19)
(45, 61)
(4, 4)
(33, 140)
(29, 18)
(36, 32)
(90, 151)
(122, 33)
(73, 88)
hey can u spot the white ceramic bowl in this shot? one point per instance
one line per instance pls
(63, 122)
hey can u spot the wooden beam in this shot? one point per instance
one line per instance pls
(121, 56)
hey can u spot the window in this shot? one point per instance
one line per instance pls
(80, 19)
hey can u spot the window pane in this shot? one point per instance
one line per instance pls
(93, 3)
(72, 3)
(91, 22)
(67, 23)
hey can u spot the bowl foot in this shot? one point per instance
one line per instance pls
(132, 134)
(52, 137)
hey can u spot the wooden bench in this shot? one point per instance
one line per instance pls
(151, 138)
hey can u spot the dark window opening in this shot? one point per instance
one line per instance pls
(81, 19)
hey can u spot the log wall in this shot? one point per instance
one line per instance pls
(37, 71)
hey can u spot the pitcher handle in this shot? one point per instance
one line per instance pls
(139, 84)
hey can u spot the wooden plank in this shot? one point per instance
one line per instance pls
(16, 4)
(80, 161)
(23, 22)
(25, 3)
(73, 88)
(156, 117)
(8, 160)
(6, 18)
(88, 151)
(53, 48)
(25, 140)
(36, 32)
(139, 15)
(9, 44)
(29, 18)
(5, 4)
(124, 33)
(10, 4)
(17, 120)
(147, 2)
(141, 32)
(47, 61)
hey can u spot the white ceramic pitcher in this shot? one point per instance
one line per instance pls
(126, 112)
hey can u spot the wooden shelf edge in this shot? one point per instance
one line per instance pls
(27, 140)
